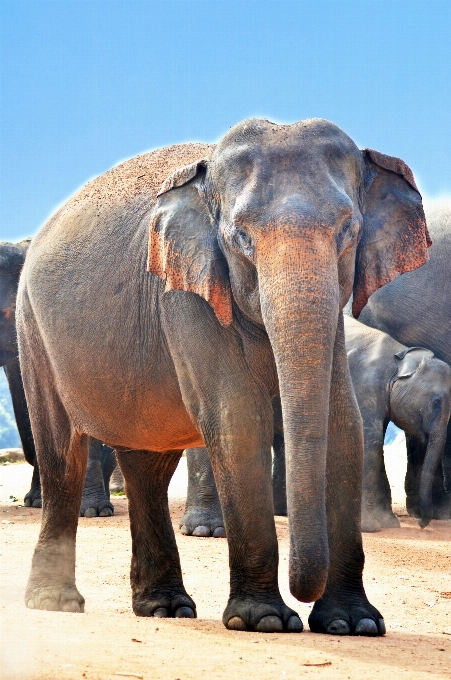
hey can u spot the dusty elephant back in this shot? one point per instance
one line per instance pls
(143, 174)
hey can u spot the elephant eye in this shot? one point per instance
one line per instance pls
(436, 402)
(346, 233)
(243, 241)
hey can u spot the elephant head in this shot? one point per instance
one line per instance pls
(284, 222)
(12, 257)
(420, 404)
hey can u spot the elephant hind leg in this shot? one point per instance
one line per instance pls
(156, 575)
(203, 513)
(61, 452)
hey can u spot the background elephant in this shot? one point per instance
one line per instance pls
(416, 310)
(409, 386)
(95, 500)
(250, 266)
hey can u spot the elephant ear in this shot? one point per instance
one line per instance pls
(183, 246)
(394, 238)
(410, 360)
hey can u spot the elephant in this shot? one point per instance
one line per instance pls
(190, 286)
(203, 513)
(416, 310)
(410, 387)
(95, 500)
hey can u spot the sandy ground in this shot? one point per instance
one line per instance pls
(407, 576)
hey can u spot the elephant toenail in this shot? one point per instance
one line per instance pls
(201, 531)
(219, 532)
(71, 606)
(49, 605)
(236, 623)
(30, 604)
(161, 613)
(366, 627)
(269, 624)
(184, 530)
(339, 627)
(185, 613)
(381, 626)
(106, 512)
(90, 512)
(27, 503)
(295, 625)
(37, 503)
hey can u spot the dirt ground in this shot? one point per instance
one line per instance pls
(407, 576)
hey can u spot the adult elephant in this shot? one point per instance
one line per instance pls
(409, 386)
(95, 500)
(416, 310)
(252, 255)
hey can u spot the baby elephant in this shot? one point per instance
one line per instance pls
(410, 387)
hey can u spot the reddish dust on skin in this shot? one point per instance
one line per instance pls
(142, 174)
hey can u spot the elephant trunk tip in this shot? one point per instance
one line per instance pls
(308, 584)
(423, 522)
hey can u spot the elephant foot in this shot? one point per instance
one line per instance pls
(55, 598)
(96, 507)
(33, 498)
(342, 618)
(370, 524)
(202, 522)
(165, 604)
(413, 507)
(251, 615)
(388, 520)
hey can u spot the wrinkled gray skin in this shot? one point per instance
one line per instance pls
(410, 387)
(416, 310)
(95, 500)
(203, 514)
(250, 267)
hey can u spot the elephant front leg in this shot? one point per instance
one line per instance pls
(203, 514)
(233, 413)
(344, 608)
(156, 575)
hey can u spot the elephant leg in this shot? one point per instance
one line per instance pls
(279, 477)
(117, 483)
(233, 413)
(344, 608)
(95, 500)
(62, 454)
(33, 497)
(373, 456)
(441, 497)
(415, 457)
(113, 479)
(203, 514)
(156, 575)
(385, 515)
(14, 377)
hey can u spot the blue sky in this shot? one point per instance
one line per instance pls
(88, 83)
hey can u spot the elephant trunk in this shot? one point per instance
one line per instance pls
(433, 455)
(299, 296)
(446, 461)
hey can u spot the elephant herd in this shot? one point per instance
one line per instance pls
(193, 297)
